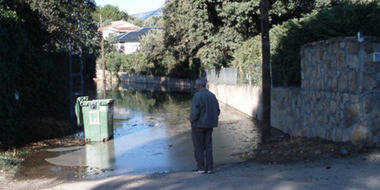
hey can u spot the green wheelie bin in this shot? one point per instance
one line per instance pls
(97, 119)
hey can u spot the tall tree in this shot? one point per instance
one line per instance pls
(46, 22)
(136, 21)
(109, 13)
(210, 30)
(154, 21)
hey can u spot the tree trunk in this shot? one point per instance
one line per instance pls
(266, 78)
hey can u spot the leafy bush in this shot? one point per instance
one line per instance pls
(114, 61)
(11, 54)
(247, 59)
(34, 81)
(153, 47)
(138, 63)
(31, 87)
(346, 18)
(135, 63)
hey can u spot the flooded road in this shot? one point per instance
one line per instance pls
(151, 135)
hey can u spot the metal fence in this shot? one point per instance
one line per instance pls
(232, 76)
(222, 76)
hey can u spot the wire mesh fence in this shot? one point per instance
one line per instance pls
(233, 76)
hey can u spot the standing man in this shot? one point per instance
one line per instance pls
(203, 118)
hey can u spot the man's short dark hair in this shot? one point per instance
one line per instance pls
(201, 82)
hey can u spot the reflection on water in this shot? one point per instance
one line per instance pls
(100, 155)
(151, 135)
(149, 101)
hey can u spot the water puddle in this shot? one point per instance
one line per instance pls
(151, 136)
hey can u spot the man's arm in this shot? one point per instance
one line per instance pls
(217, 105)
(195, 110)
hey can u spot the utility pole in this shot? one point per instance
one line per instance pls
(266, 78)
(103, 62)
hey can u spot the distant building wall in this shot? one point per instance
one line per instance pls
(339, 98)
(127, 48)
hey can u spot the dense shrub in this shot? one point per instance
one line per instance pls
(11, 53)
(248, 57)
(135, 63)
(34, 73)
(152, 46)
(346, 18)
(33, 85)
(114, 61)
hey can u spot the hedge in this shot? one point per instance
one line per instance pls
(345, 18)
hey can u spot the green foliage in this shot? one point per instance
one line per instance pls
(47, 22)
(345, 18)
(136, 21)
(209, 31)
(247, 59)
(11, 52)
(169, 62)
(152, 45)
(164, 63)
(154, 22)
(341, 18)
(113, 61)
(135, 63)
(33, 66)
(109, 13)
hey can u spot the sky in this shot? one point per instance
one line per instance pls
(133, 6)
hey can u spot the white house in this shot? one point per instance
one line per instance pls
(130, 42)
(117, 28)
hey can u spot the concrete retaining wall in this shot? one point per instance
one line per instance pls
(244, 98)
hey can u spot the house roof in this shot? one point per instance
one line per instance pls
(134, 36)
(121, 26)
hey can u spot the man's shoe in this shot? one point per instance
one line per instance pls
(199, 171)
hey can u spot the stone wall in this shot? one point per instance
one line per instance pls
(339, 98)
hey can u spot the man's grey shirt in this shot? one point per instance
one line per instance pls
(204, 110)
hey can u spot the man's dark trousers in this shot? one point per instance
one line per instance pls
(202, 141)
